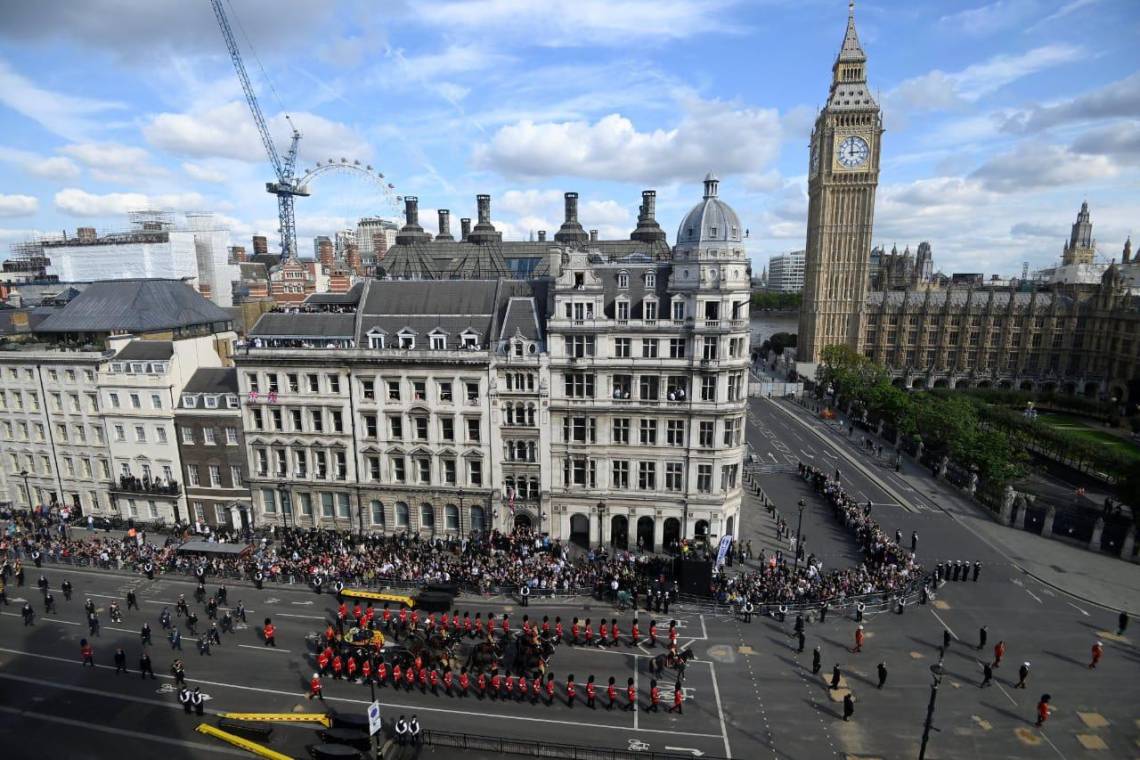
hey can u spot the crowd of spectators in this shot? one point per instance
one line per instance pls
(886, 567)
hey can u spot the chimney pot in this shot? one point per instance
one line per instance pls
(444, 225)
(542, 236)
(464, 227)
(571, 202)
(649, 203)
(593, 236)
(412, 210)
(483, 202)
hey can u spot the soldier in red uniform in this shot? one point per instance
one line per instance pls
(635, 634)
(631, 695)
(672, 633)
(589, 633)
(575, 629)
(315, 688)
(448, 680)
(433, 679)
(403, 621)
(615, 634)
(571, 690)
(496, 683)
(356, 613)
(270, 634)
(508, 685)
(654, 697)
(337, 666)
(381, 673)
(429, 623)
(330, 635)
(558, 637)
(397, 676)
(591, 693)
(535, 687)
(467, 626)
(652, 633)
(522, 686)
(481, 685)
(386, 617)
(611, 692)
(549, 689)
(86, 653)
(678, 698)
(526, 626)
(422, 676)
(409, 677)
(366, 670)
(342, 612)
(350, 668)
(603, 629)
(415, 619)
(506, 626)
(323, 661)
(464, 682)
(545, 627)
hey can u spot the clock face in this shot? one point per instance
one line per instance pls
(853, 151)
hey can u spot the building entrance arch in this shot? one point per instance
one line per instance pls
(522, 520)
(645, 526)
(672, 533)
(619, 532)
(580, 530)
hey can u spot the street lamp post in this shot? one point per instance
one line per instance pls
(286, 504)
(601, 512)
(936, 680)
(799, 528)
(27, 488)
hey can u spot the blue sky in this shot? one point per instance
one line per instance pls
(1001, 116)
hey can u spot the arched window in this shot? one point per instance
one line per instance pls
(377, 512)
(427, 516)
(477, 525)
(402, 516)
(451, 518)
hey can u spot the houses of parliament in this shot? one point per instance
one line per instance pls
(1078, 335)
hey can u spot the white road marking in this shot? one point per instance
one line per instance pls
(809, 456)
(264, 648)
(53, 620)
(95, 726)
(943, 622)
(302, 617)
(720, 711)
(636, 709)
(394, 705)
(1078, 609)
(1034, 596)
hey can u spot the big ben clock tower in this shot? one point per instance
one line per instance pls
(843, 172)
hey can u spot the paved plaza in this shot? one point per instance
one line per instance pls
(748, 693)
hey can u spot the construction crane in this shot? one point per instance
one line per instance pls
(286, 186)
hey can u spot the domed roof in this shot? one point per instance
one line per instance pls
(710, 221)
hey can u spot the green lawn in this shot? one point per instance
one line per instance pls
(1087, 431)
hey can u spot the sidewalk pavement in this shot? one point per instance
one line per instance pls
(1092, 577)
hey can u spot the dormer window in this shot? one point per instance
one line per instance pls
(437, 341)
(651, 280)
(375, 339)
(232, 402)
(189, 401)
(623, 280)
(211, 402)
(469, 340)
(712, 231)
(407, 340)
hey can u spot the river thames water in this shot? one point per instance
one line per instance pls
(766, 323)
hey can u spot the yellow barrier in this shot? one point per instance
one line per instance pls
(321, 718)
(237, 741)
(376, 596)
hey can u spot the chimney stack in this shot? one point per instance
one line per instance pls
(444, 225)
(483, 202)
(593, 236)
(260, 245)
(648, 230)
(464, 228)
(542, 236)
(571, 231)
(411, 232)
(484, 231)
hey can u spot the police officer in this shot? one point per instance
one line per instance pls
(66, 588)
(823, 611)
(258, 579)
(132, 600)
(882, 668)
(239, 612)
(43, 584)
(148, 568)
(848, 706)
(748, 609)
(816, 658)
(982, 634)
(222, 594)
(401, 731)
(49, 603)
(120, 661)
(977, 570)
(198, 700)
(414, 731)
(966, 571)
(37, 558)
(860, 608)
(29, 614)
(524, 595)
(184, 698)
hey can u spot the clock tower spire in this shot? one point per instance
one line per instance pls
(843, 174)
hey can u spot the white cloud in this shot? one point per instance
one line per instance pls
(712, 135)
(113, 162)
(1120, 141)
(989, 18)
(1068, 8)
(78, 202)
(18, 205)
(203, 173)
(1032, 165)
(228, 131)
(69, 116)
(1120, 99)
(55, 167)
(583, 22)
(940, 90)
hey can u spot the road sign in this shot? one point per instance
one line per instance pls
(374, 721)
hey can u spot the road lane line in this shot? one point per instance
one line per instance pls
(393, 705)
(720, 711)
(1078, 609)
(95, 726)
(1034, 596)
(940, 620)
(636, 690)
(264, 648)
(52, 620)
